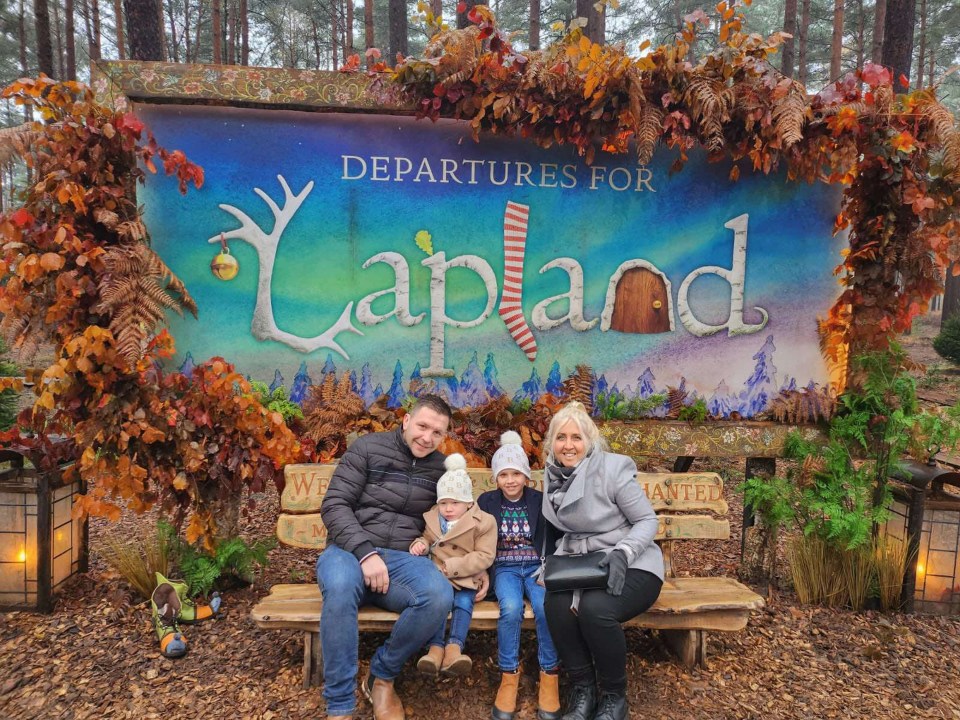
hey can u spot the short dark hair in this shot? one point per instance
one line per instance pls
(435, 403)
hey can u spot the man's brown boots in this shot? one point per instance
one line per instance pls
(386, 703)
(505, 706)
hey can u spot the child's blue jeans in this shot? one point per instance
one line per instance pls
(460, 617)
(511, 581)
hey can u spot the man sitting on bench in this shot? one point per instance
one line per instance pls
(373, 510)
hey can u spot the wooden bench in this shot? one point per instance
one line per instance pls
(688, 607)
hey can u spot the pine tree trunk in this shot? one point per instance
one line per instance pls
(923, 44)
(96, 43)
(436, 7)
(879, 17)
(803, 33)
(41, 20)
(118, 15)
(174, 53)
(789, 26)
(397, 19)
(534, 38)
(333, 34)
(861, 35)
(951, 297)
(57, 30)
(216, 30)
(933, 58)
(244, 33)
(462, 19)
(231, 34)
(596, 23)
(349, 28)
(898, 38)
(70, 44)
(144, 30)
(836, 44)
(368, 39)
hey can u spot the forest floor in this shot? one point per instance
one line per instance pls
(96, 656)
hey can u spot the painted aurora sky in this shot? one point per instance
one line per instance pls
(342, 223)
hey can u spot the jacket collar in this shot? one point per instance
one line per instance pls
(467, 522)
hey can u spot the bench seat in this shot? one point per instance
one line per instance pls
(687, 605)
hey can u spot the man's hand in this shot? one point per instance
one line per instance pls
(418, 548)
(375, 574)
(483, 586)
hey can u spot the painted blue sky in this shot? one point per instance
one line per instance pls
(679, 227)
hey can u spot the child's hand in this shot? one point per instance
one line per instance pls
(418, 548)
(483, 586)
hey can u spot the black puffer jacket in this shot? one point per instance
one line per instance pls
(379, 493)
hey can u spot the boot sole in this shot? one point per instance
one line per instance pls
(425, 666)
(458, 668)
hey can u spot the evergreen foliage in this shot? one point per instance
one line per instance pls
(233, 561)
(947, 343)
(8, 398)
(276, 400)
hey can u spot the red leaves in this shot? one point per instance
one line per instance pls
(22, 218)
(876, 75)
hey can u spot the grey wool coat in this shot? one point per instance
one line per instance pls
(604, 508)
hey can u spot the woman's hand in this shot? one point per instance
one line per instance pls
(617, 574)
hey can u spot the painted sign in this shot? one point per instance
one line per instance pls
(403, 251)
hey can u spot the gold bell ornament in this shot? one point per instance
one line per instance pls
(224, 266)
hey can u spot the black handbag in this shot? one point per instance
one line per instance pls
(580, 571)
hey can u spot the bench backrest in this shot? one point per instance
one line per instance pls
(300, 524)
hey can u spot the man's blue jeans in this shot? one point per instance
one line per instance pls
(460, 618)
(418, 591)
(511, 581)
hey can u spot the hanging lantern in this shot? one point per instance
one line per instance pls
(224, 266)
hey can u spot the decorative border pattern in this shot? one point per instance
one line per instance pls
(116, 83)
(717, 439)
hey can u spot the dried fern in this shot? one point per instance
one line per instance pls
(14, 142)
(710, 100)
(676, 401)
(332, 410)
(790, 114)
(579, 386)
(808, 405)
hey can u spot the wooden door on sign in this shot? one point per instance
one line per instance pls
(642, 304)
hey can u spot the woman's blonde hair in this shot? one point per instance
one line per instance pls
(576, 412)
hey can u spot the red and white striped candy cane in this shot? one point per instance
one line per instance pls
(514, 246)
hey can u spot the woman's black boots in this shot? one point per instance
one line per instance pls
(581, 703)
(612, 706)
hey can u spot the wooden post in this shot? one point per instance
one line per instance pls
(690, 646)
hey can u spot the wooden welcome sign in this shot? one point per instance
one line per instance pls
(300, 524)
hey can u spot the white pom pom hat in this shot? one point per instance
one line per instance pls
(510, 456)
(455, 483)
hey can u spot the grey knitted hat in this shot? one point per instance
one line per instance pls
(510, 455)
(455, 483)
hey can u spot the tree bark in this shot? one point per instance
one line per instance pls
(96, 42)
(174, 53)
(41, 21)
(898, 38)
(144, 30)
(70, 44)
(436, 7)
(879, 17)
(951, 297)
(789, 26)
(803, 34)
(118, 15)
(215, 30)
(534, 38)
(923, 44)
(596, 22)
(244, 33)
(462, 20)
(333, 34)
(56, 29)
(397, 19)
(861, 35)
(836, 43)
(368, 38)
(348, 31)
(231, 34)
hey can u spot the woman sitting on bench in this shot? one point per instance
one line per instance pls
(592, 497)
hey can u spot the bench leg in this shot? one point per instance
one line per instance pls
(690, 646)
(312, 659)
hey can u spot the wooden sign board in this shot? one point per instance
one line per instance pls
(308, 531)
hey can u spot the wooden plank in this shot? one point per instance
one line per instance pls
(711, 603)
(308, 531)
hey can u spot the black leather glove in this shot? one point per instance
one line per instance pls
(617, 574)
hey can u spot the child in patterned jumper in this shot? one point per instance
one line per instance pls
(524, 537)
